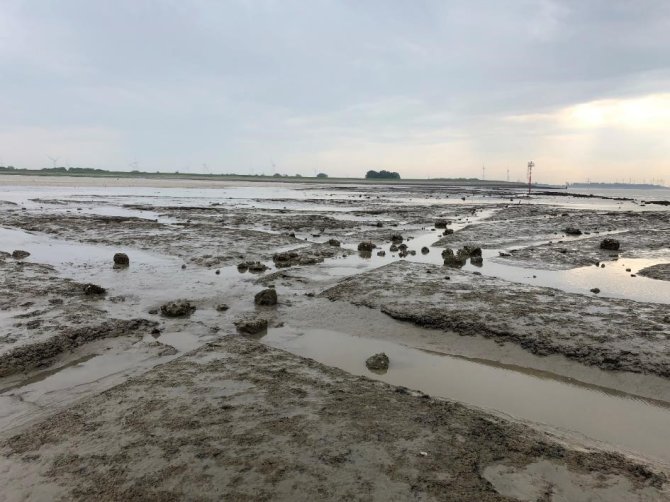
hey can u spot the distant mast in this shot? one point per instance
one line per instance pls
(531, 165)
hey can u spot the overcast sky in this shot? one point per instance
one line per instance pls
(426, 88)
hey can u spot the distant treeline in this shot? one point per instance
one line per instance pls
(386, 175)
(614, 185)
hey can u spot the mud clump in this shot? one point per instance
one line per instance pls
(377, 362)
(94, 290)
(610, 244)
(121, 260)
(452, 259)
(249, 326)
(255, 267)
(366, 246)
(20, 254)
(267, 297)
(180, 308)
(572, 231)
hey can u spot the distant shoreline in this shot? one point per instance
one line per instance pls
(280, 179)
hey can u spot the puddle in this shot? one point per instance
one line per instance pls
(626, 421)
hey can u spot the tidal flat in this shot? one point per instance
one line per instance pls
(528, 340)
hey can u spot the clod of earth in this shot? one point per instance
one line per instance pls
(573, 231)
(381, 253)
(448, 231)
(94, 289)
(121, 260)
(378, 362)
(441, 223)
(366, 246)
(393, 248)
(180, 308)
(396, 238)
(610, 244)
(333, 242)
(266, 297)
(477, 261)
(595, 291)
(251, 326)
(425, 250)
(451, 259)
(20, 254)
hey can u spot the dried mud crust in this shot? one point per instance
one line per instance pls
(237, 420)
(660, 272)
(608, 333)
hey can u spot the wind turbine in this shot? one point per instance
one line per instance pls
(53, 160)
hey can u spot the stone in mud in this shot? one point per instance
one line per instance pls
(366, 246)
(393, 248)
(266, 297)
(441, 223)
(251, 266)
(222, 307)
(380, 224)
(180, 308)
(334, 242)
(377, 362)
(381, 253)
(121, 260)
(396, 238)
(402, 247)
(20, 254)
(470, 251)
(94, 289)
(595, 291)
(610, 244)
(451, 259)
(251, 326)
(573, 231)
(425, 250)
(448, 231)
(477, 261)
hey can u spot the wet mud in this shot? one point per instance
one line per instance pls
(239, 420)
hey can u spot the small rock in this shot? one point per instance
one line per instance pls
(425, 250)
(153, 311)
(121, 260)
(380, 224)
(595, 291)
(251, 326)
(218, 272)
(366, 246)
(573, 231)
(183, 266)
(180, 308)
(20, 254)
(396, 238)
(477, 261)
(610, 244)
(334, 242)
(448, 231)
(94, 289)
(393, 248)
(381, 253)
(378, 362)
(441, 223)
(266, 297)
(222, 307)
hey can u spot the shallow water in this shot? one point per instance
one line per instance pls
(627, 421)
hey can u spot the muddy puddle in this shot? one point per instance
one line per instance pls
(632, 423)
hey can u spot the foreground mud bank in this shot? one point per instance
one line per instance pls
(608, 333)
(238, 420)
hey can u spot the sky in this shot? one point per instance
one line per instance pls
(425, 88)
